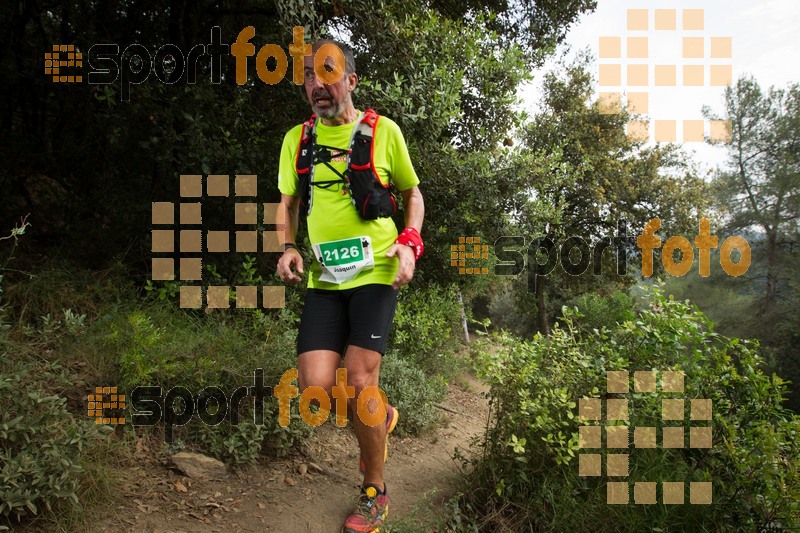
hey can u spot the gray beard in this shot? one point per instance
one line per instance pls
(331, 112)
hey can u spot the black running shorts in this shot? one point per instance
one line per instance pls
(335, 319)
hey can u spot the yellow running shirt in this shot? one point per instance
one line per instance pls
(333, 218)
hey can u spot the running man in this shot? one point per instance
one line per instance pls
(327, 172)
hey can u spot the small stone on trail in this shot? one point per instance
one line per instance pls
(199, 466)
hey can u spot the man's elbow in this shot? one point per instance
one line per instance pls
(412, 195)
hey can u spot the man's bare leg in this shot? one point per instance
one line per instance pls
(362, 367)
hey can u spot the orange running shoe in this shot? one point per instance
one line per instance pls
(372, 508)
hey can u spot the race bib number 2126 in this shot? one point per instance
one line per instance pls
(343, 260)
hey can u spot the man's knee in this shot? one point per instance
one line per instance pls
(317, 368)
(306, 380)
(369, 400)
(362, 380)
(362, 367)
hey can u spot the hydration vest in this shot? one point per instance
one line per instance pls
(371, 198)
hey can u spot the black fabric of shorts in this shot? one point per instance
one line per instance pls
(335, 319)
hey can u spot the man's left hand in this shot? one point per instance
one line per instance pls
(405, 271)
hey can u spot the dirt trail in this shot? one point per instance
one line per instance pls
(275, 497)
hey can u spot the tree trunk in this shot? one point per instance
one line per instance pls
(544, 326)
(463, 315)
(772, 279)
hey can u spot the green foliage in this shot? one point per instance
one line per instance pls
(40, 442)
(413, 392)
(160, 345)
(585, 177)
(244, 442)
(593, 311)
(421, 357)
(760, 184)
(5, 308)
(236, 445)
(426, 329)
(446, 71)
(5, 324)
(72, 324)
(528, 477)
(163, 290)
(430, 515)
(56, 293)
(509, 307)
(757, 194)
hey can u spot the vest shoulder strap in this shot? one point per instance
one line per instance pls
(371, 198)
(303, 158)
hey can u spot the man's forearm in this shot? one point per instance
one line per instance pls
(414, 208)
(291, 207)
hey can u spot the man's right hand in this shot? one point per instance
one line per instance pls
(291, 259)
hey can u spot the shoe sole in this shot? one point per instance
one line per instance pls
(376, 530)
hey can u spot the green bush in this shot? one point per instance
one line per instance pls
(527, 478)
(427, 329)
(421, 357)
(155, 343)
(160, 345)
(413, 392)
(243, 443)
(593, 311)
(40, 443)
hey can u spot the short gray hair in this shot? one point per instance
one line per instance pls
(349, 61)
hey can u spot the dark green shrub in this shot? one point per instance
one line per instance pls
(427, 329)
(159, 345)
(422, 358)
(527, 478)
(40, 443)
(510, 305)
(593, 311)
(413, 393)
(243, 443)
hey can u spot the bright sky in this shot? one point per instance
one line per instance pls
(765, 38)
